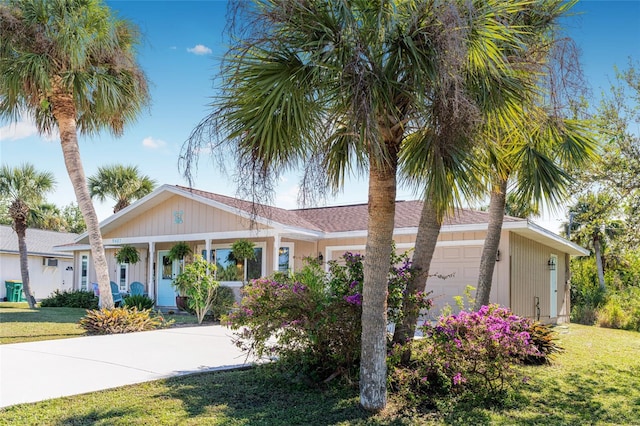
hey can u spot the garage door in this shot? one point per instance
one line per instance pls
(452, 270)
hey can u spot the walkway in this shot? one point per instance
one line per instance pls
(37, 371)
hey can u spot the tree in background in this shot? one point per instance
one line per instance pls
(124, 184)
(70, 65)
(24, 188)
(593, 224)
(72, 219)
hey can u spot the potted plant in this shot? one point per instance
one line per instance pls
(243, 250)
(198, 284)
(127, 254)
(178, 252)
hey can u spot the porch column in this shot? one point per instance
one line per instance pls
(207, 252)
(150, 281)
(276, 252)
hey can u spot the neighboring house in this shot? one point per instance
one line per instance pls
(531, 277)
(49, 269)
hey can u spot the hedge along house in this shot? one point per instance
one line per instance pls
(49, 269)
(531, 277)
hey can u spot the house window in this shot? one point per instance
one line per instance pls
(123, 276)
(283, 259)
(84, 272)
(230, 269)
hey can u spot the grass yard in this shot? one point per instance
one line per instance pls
(595, 381)
(21, 324)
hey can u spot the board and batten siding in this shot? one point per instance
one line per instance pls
(179, 215)
(531, 280)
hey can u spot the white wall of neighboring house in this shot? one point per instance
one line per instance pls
(43, 279)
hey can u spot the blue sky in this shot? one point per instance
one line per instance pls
(182, 42)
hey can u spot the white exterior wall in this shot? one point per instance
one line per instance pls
(43, 279)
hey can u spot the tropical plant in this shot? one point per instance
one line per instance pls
(140, 301)
(337, 87)
(124, 184)
(438, 160)
(197, 282)
(179, 251)
(127, 254)
(593, 224)
(122, 320)
(24, 188)
(243, 250)
(70, 65)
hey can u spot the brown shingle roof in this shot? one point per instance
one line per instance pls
(343, 218)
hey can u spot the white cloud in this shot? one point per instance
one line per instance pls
(287, 198)
(152, 143)
(199, 49)
(22, 130)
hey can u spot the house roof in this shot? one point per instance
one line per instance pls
(40, 242)
(334, 221)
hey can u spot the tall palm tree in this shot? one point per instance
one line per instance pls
(70, 65)
(124, 184)
(24, 188)
(594, 224)
(336, 87)
(441, 163)
(536, 157)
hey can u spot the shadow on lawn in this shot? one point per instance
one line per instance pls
(55, 315)
(260, 396)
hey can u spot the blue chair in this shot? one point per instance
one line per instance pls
(136, 289)
(115, 293)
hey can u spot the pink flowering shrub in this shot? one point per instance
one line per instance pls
(311, 320)
(472, 353)
(315, 328)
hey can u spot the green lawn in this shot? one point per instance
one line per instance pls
(21, 324)
(595, 381)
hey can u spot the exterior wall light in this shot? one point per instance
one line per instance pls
(552, 264)
(498, 256)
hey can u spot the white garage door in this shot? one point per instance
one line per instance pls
(452, 270)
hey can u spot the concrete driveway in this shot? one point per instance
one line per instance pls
(36, 371)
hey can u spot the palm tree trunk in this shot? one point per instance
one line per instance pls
(598, 249)
(18, 212)
(426, 239)
(373, 363)
(492, 241)
(64, 111)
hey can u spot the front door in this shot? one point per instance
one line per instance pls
(66, 275)
(167, 271)
(553, 311)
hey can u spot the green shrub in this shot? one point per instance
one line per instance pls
(197, 282)
(121, 320)
(222, 302)
(140, 301)
(622, 310)
(71, 299)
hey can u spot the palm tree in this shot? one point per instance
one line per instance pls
(442, 161)
(336, 87)
(536, 157)
(124, 184)
(70, 65)
(593, 224)
(24, 188)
